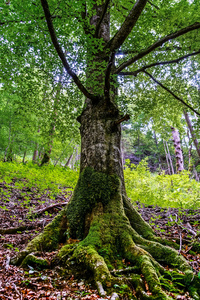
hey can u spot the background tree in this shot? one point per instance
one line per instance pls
(93, 33)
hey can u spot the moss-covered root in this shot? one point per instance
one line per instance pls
(92, 261)
(137, 222)
(169, 256)
(36, 262)
(147, 266)
(49, 239)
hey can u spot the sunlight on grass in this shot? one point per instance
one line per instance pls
(176, 190)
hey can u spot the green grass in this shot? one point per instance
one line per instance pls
(177, 190)
(43, 179)
(151, 189)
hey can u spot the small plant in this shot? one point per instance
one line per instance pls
(156, 189)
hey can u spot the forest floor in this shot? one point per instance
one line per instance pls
(25, 212)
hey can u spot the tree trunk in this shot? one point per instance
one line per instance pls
(24, 156)
(189, 124)
(170, 159)
(178, 150)
(68, 161)
(157, 154)
(35, 154)
(167, 159)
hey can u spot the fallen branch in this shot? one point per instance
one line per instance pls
(13, 230)
(41, 211)
(7, 262)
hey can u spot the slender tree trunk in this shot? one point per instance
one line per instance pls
(156, 142)
(178, 150)
(191, 166)
(167, 158)
(170, 158)
(189, 124)
(9, 143)
(24, 156)
(68, 161)
(35, 154)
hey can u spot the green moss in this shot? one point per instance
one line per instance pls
(90, 259)
(51, 236)
(92, 239)
(92, 187)
(66, 251)
(36, 262)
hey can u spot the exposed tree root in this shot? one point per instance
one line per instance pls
(114, 234)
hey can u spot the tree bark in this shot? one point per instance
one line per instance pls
(170, 159)
(189, 124)
(167, 158)
(178, 150)
(35, 154)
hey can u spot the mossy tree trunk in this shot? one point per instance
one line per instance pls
(106, 229)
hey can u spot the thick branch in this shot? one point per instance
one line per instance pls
(135, 73)
(169, 91)
(102, 17)
(61, 53)
(127, 26)
(125, 118)
(156, 45)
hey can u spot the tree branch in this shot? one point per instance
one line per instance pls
(135, 73)
(125, 118)
(127, 26)
(156, 45)
(27, 21)
(153, 5)
(61, 53)
(169, 91)
(101, 18)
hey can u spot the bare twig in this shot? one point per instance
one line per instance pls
(169, 91)
(180, 235)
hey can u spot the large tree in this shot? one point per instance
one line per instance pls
(96, 41)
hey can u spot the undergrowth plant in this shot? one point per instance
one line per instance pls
(177, 190)
(45, 179)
